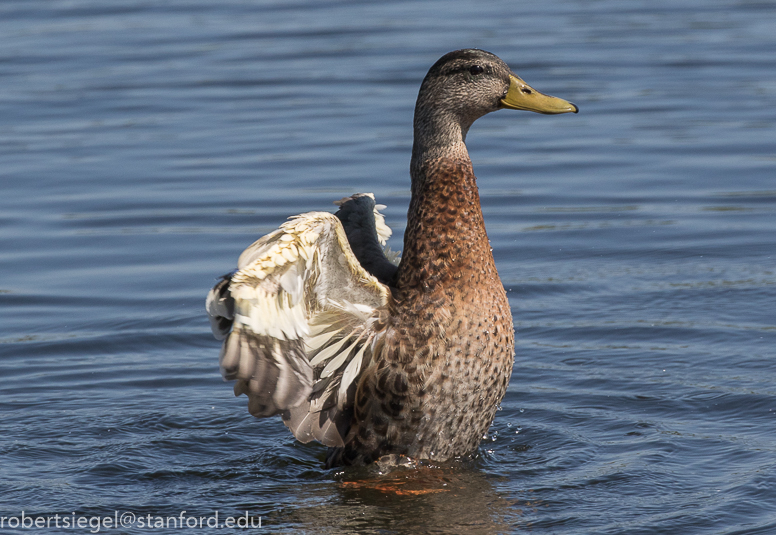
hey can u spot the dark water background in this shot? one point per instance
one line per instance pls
(144, 144)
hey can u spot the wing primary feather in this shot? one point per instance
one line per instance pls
(350, 374)
(317, 342)
(337, 361)
(328, 352)
(230, 356)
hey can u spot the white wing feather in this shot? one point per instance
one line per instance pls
(302, 305)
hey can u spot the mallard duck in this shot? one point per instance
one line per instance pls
(373, 359)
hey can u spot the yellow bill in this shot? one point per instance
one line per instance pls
(522, 96)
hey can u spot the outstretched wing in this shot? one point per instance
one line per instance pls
(301, 305)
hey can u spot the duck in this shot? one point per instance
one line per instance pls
(373, 355)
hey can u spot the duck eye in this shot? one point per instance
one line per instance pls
(474, 70)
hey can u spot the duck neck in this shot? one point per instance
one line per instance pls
(438, 134)
(445, 236)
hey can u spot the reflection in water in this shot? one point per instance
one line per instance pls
(450, 498)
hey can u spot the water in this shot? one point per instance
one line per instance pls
(144, 145)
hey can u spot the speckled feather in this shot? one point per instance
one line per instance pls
(446, 342)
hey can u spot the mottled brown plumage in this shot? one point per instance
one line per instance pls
(447, 356)
(410, 361)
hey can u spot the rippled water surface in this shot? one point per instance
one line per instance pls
(144, 144)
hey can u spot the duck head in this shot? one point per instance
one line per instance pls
(463, 86)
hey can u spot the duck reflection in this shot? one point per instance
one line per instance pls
(422, 498)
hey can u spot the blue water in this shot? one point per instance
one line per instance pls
(143, 145)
